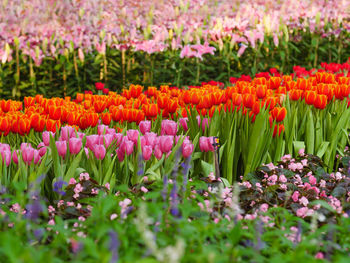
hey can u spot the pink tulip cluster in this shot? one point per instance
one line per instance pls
(28, 154)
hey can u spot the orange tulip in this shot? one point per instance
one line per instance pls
(106, 118)
(261, 91)
(55, 112)
(320, 101)
(310, 97)
(279, 114)
(29, 101)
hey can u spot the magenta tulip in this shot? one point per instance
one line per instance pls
(91, 141)
(157, 152)
(166, 143)
(15, 156)
(168, 127)
(102, 129)
(145, 126)
(205, 144)
(75, 145)
(133, 135)
(183, 123)
(27, 154)
(61, 148)
(187, 149)
(6, 157)
(151, 138)
(42, 149)
(67, 132)
(46, 137)
(146, 152)
(99, 151)
(36, 156)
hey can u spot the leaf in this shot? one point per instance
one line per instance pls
(73, 167)
(322, 149)
(207, 168)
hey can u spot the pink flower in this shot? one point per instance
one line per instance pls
(106, 139)
(312, 180)
(304, 211)
(151, 138)
(295, 196)
(183, 123)
(264, 207)
(84, 176)
(75, 145)
(146, 152)
(158, 152)
(168, 127)
(322, 183)
(67, 132)
(78, 188)
(133, 135)
(6, 157)
(99, 151)
(303, 200)
(144, 189)
(102, 129)
(72, 181)
(113, 216)
(166, 143)
(27, 154)
(61, 148)
(145, 126)
(46, 137)
(282, 178)
(319, 255)
(205, 144)
(187, 149)
(91, 141)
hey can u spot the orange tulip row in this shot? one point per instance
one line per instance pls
(135, 104)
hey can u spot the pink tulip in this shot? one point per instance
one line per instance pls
(4, 147)
(67, 132)
(25, 145)
(6, 157)
(75, 145)
(15, 156)
(183, 123)
(46, 137)
(86, 150)
(120, 155)
(106, 139)
(42, 149)
(102, 129)
(168, 127)
(206, 144)
(166, 143)
(151, 138)
(36, 156)
(187, 149)
(61, 148)
(91, 141)
(118, 137)
(129, 147)
(145, 126)
(146, 152)
(27, 154)
(99, 151)
(143, 141)
(133, 135)
(110, 131)
(157, 152)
